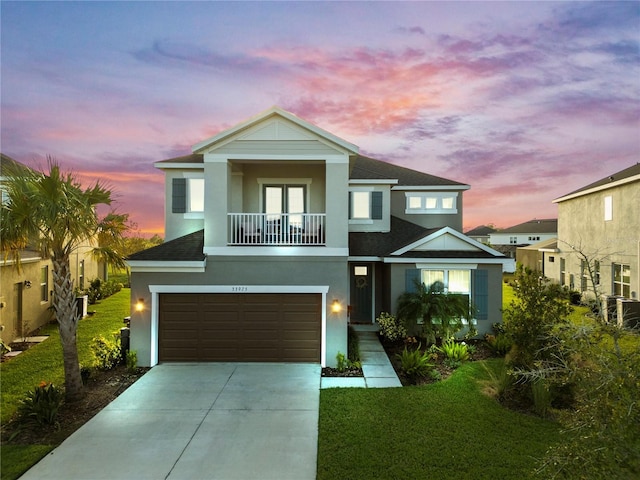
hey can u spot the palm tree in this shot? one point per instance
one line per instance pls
(433, 312)
(54, 214)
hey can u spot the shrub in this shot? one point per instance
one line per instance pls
(353, 345)
(455, 352)
(391, 328)
(415, 363)
(100, 290)
(85, 374)
(106, 352)
(132, 360)
(40, 406)
(541, 397)
(499, 344)
(539, 308)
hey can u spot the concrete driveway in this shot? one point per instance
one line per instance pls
(199, 421)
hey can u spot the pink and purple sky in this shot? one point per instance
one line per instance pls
(524, 101)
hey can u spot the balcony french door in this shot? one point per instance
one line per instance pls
(279, 199)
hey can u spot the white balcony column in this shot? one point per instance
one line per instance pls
(216, 200)
(337, 194)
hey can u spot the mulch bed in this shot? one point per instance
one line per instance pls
(393, 349)
(100, 389)
(348, 372)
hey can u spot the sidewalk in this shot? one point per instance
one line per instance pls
(376, 367)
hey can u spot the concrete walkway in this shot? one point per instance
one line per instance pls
(376, 367)
(199, 421)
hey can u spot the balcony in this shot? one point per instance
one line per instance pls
(287, 229)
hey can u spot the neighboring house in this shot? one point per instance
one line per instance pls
(280, 233)
(481, 233)
(537, 255)
(509, 239)
(601, 220)
(26, 293)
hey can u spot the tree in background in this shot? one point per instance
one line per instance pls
(54, 214)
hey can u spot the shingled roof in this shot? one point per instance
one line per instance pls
(365, 168)
(189, 248)
(627, 173)
(542, 225)
(379, 244)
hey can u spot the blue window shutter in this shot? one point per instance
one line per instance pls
(179, 195)
(480, 295)
(350, 195)
(376, 205)
(411, 275)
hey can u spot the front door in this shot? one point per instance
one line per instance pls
(361, 293)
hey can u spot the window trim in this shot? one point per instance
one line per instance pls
(193, 214)
(621, 282)
(44, 285)
(376, 205)
(608, 208)
(423, 209)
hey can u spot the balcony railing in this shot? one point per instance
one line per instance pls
(276, 229)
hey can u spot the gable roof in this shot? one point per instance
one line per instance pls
(542, 225)
(273, 112)
(404, 236)
(366, 168)
(628, 175)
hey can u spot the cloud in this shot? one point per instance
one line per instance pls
(416, 30)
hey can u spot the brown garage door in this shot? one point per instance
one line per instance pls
(239, 327)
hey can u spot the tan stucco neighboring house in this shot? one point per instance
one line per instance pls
(601, 220)
(26, 292)
(280, 234)
(536, 255)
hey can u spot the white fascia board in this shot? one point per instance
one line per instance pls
(550, 250)
(449, 261)
(276, 251)
(635, 178)
(239, 288)
(364, 259)
(177, 165)
(284, 114)
(428, 188)
(357, 181)
(451, 231)
(225, 157)
(140, 266)
(12, 261)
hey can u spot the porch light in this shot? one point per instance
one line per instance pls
(140, 305)
(336, 307)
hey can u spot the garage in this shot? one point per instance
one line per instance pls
(251, 327)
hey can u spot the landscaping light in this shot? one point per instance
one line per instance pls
(336, 307)
(140, 305)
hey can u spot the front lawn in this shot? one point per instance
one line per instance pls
(444, 430)
(43, 362)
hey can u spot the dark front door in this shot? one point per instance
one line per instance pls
(361, 293)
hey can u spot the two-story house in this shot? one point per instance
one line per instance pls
(26, 293)
(279, 233)
(602, 222)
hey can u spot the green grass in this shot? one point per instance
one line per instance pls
(440, 431)
(44, 362)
